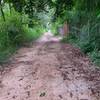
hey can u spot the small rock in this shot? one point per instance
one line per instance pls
(42, 94)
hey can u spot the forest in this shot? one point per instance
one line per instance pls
(49, 49)
(24, 21)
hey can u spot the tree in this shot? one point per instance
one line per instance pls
(61, 6)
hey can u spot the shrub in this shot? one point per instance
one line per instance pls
(14, 32)
(31, 34)
(55, 26)
(85, 34)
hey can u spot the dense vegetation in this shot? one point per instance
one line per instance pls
(83, 18)
(24, 20)
(17, 26)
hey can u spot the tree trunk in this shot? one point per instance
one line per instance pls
(2, 13)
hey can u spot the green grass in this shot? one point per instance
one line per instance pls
(34, 33)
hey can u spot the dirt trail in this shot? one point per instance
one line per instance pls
(49, 71)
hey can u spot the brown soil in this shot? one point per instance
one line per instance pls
(49, 71)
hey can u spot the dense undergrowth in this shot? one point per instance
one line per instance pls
(85, 34)
(83, 21)
(15, 31)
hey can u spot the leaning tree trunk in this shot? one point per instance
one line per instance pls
(3, 15)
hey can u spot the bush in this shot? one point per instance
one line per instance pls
(55, 26)
(85, 34)
(31, 34)
(14, 32)
(11, 30)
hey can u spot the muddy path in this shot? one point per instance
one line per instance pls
(49, 71)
